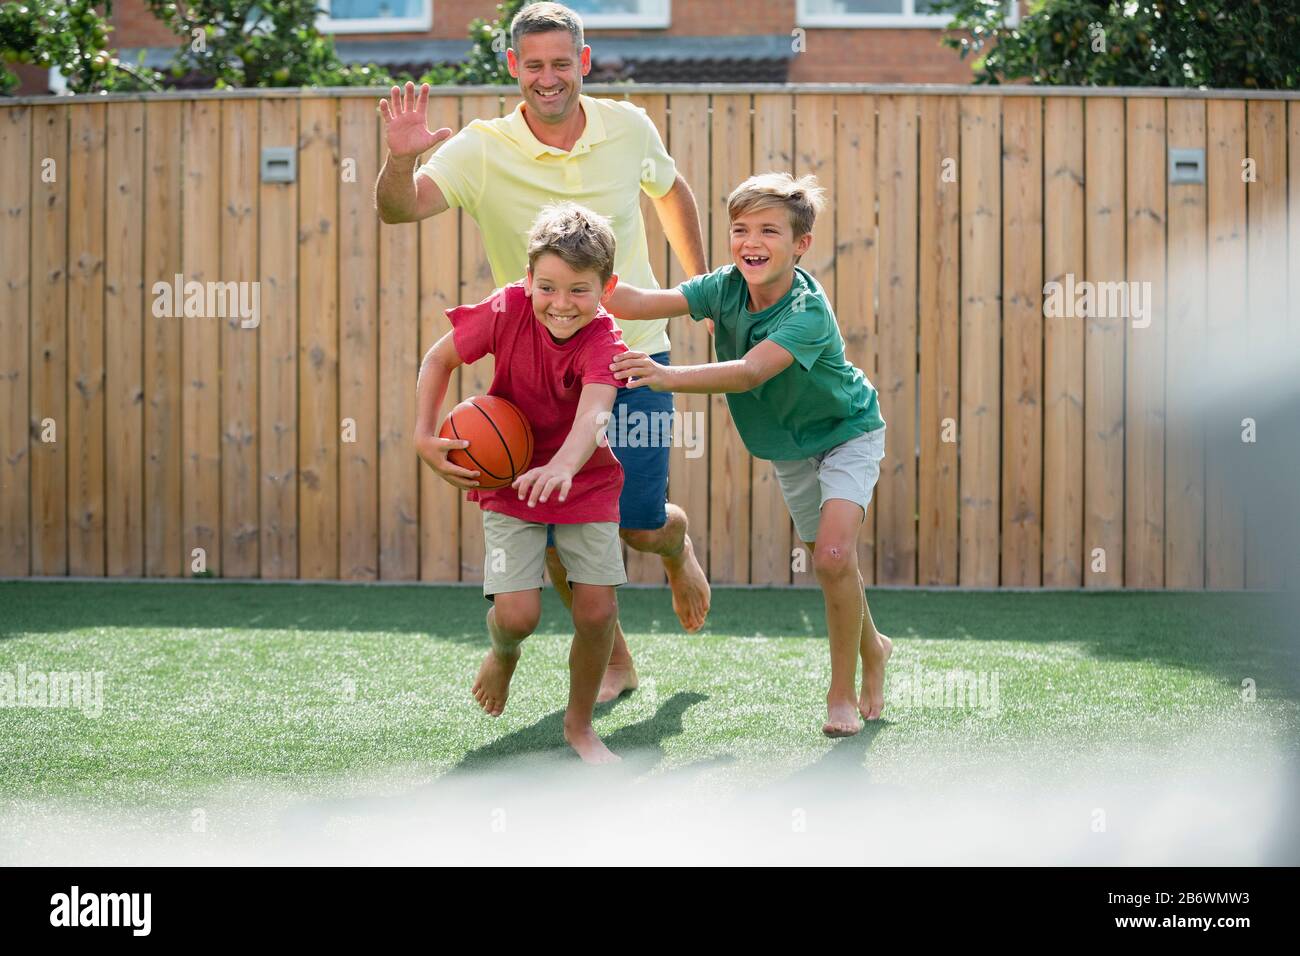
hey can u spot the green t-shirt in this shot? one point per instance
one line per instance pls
(820, 400)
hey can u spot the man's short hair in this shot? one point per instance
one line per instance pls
(543, 18)
(582, 238)
(802, 197)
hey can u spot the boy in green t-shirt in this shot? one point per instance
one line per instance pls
(795, 400)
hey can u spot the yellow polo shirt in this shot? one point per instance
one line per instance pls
(502, 175)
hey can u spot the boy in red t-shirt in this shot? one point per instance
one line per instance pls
(553, 345)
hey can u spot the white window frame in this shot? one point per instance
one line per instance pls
(909, 18)
(655, 15)
(423, 22)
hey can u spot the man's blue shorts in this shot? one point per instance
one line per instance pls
(640, 435)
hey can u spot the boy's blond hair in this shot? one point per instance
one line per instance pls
(543, 18)
(801, 197)
(582, 238)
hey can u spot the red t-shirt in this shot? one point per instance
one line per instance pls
(545, 379)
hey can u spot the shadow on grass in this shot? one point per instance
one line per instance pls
(843, 765)
(1229, 635)
(638, 744)
(531, 759)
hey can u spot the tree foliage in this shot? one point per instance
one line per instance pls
(222, 43)
(1224, 44)
(72, 36)
(234, 43)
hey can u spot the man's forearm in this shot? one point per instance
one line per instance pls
(395, 194)
(681, 221)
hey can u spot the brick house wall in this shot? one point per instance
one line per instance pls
(839, 55)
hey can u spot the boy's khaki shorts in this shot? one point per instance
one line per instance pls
(514, 553)
(849, 471)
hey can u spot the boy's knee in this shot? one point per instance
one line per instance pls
(594, 614)
(640, 539)
(663, 540)
(832, 562)
(517, 619)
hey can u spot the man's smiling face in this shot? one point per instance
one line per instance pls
(550, 73)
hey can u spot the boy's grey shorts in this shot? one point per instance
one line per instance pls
(849, 471)
(514, 553)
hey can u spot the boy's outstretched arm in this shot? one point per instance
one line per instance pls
(430, 389)
(760, 363)
(594, 407)
(629, 302)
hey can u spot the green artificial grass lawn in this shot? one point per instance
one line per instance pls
(205, 683)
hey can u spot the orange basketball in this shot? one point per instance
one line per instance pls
(500, 439)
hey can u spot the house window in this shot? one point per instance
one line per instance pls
(869, 13)
(598, 14)
(375, 16)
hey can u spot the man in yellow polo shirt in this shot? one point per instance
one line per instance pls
(559, 144)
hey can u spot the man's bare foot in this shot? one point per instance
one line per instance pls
(872, 700)
(691, 592)
(618, 679)
(841, 719)
(582, 738)
(492, 685)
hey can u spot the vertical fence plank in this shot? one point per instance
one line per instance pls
(771, 536)
(162, 348)
(439, 285)
(896, 492)
(358, 465)
(688, 478)
(814, 152)
(1022, 342)
(1063, 345)
(1103, 482)
(729, 461)
(643, 568)
(49, 346)
(1144, 413)
(979, 435)
(476, 283)
(17, 192)
(278, 353)
(1225, 528)
(1266, 545)
(1186, 361)
(855, 273)
(319, 429)
(86, 162)
(939, 289)
(124, 310)
(201, 337)
(399, 342)
(240, 511)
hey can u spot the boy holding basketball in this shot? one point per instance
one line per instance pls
(796, 401)
(553, 345)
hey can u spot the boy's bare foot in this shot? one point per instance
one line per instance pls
(691, 593)
(582, 738)
(618, 679)
(492, 685)
(841, 719)
(872, 700)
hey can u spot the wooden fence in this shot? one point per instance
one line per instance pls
(1022, 450)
